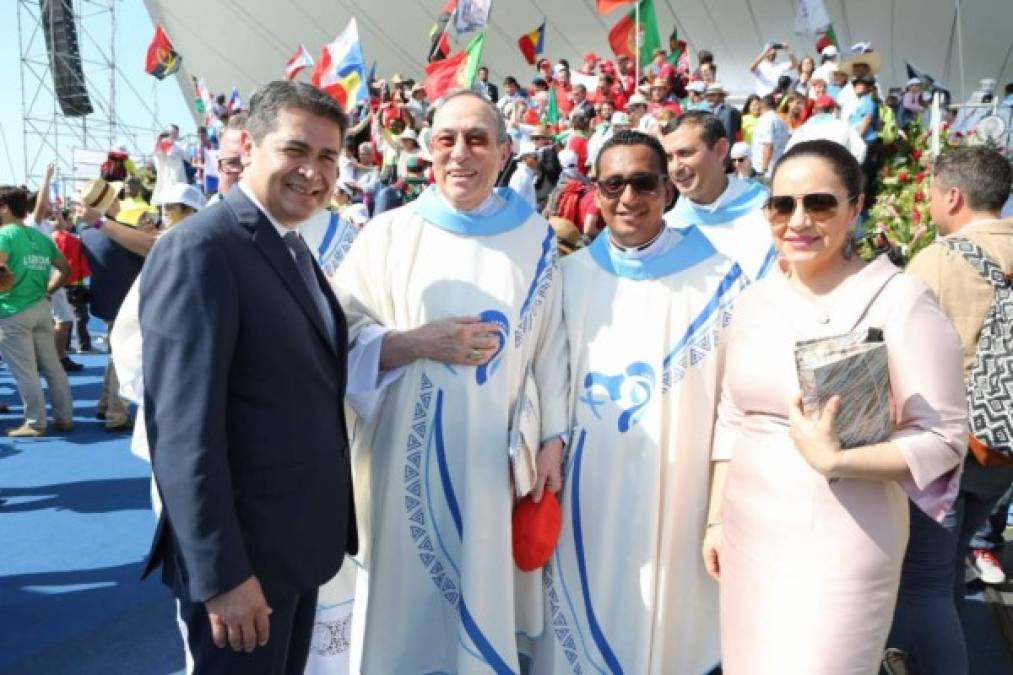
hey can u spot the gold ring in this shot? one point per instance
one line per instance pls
(474, 355)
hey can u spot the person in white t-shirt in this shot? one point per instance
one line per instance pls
(770, 136)
(767, 72)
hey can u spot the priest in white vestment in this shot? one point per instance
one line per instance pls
(467, 279)
(646, 308)
(727, 209)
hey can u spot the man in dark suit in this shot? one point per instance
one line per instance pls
(485, 87)
(244, 371)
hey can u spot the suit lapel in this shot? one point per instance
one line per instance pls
(271, 246)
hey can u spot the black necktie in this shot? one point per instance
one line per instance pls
(304, 263)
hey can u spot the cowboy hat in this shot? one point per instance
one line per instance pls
(866, 56)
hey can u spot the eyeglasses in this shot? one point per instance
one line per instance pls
(819, 206)
(230, 164)
(642, 183)
(736, 160)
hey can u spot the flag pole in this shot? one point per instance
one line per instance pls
(636, 33)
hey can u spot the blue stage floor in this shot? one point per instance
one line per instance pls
(75, 527)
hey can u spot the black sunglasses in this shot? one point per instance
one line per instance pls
(819, 205)
(736, 160)
(642, 183)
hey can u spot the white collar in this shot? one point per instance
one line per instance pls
(661, 244)
(491, 204)
(281, 229)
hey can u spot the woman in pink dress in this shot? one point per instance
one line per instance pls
(809, 567)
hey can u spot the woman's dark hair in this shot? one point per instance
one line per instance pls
(749, 102)
(836, 155)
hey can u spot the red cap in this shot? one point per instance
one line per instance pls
(535, 531)
(591, 56)
(824, 101)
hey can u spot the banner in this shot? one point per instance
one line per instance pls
(161, 60)
(532, 44)
(810, 17)
(301, 59)
(472, 15)
(341, 70)
(623, 36)
(455, 72)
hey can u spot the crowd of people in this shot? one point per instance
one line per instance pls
(586, 293)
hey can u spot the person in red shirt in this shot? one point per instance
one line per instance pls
(590, 63)
(662, 99)
(563, 91)
(578, 140)
(76, 282)
(626, 76)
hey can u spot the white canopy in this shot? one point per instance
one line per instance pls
(245, 43)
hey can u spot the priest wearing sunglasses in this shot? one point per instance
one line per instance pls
(645, 308)
(802, 530)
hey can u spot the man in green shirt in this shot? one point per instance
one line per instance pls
(26, 324)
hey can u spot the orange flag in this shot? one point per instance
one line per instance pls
(606, 6)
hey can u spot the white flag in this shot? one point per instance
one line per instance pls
(472, 15)
(810, 17)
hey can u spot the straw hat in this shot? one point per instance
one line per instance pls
(868, 57)
(98, 194)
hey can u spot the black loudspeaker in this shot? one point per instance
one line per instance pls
(65, 57)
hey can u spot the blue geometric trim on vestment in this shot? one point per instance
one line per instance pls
(444, 573)
(702, 335)
(578, 539)
(559, 625)
(541, 281)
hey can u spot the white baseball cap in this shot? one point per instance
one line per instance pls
(568, 159)
(740, 150)
(527, 147)
(183, 193)
(829, 51)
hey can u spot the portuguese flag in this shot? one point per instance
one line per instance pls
(623, 36)
(825, 38)
(455, 72)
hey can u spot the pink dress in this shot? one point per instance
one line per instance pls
(809, 570)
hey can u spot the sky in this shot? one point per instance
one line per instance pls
(133, 33)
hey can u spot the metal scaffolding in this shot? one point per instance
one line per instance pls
(48, 135)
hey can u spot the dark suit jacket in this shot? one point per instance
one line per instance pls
(244, 409)
(491, 89)
(113, 270)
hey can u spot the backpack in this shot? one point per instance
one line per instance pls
(990, 382)
(115, 167)
(565, 202)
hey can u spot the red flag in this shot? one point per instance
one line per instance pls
(622, 38)
(441, 76)
(606, 6)
(162, 59)
(532, 44)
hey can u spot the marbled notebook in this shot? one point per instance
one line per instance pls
(853, 366)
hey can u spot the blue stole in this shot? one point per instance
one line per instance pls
(691, 249)
(747, 202)
(513, 213)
